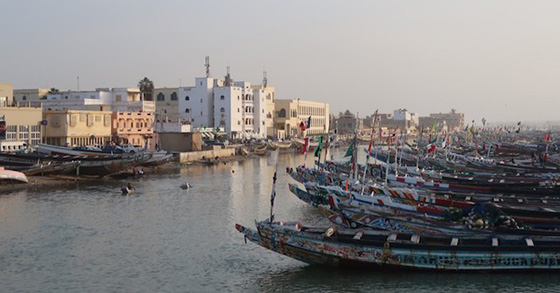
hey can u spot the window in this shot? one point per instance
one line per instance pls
(174, 96)
(187, 110)
(222, 97)
(118, 98)
(201, 100)
(222, 110)
(187, 98)
(160, 97)
(282, 113)
(237, 110)
(24, 98)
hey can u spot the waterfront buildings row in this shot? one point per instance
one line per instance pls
(121, 115)
(400, 121)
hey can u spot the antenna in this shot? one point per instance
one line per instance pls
(78, 81)
(207, 65)
(227, 69)
(265, 80)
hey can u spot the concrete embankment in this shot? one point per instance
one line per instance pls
(204, 155)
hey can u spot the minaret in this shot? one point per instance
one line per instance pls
(265, 80)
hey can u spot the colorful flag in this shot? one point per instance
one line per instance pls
(305, 146)
(431, 148)
(317, 152)
(547, 137)
(309, 122)
(350, 150)
(302, 126)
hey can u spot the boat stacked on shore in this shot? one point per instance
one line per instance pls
(90, 161)
(422, 207)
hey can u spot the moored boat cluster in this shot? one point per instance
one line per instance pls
(471, 207)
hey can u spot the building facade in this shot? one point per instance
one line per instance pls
(77, 127)
(451, 121)
(20, 123)
(290, 113)
(136, 128)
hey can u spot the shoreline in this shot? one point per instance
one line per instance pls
(38, 182)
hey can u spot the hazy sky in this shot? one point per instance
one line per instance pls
(494, 59)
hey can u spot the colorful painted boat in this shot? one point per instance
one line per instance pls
(384, 250)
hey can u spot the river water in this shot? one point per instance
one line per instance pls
(87, 237)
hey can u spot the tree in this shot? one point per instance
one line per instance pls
(146, 87)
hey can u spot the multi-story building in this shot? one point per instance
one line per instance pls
(237, 108)
(135, 128)
(77, 127)
(20, 123)
(451, 121)
(290, 113)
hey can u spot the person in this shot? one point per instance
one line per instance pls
(129, 186)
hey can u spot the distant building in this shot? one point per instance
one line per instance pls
(290, 113)
(77, 127)
(20, 123)
(401, 121)
(100, 99)
(136, 128)
(451, 121)
(347, 123)
(33, 95)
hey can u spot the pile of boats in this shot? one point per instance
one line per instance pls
(89, 161)
(450, 208)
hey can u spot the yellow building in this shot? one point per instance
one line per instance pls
(167, 105)
(25, 95)
(290, 113)
(6, 94)
(20, 127)
(77, 127)
(136, 128)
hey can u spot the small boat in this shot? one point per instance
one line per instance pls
(185, 185)
(127, 189)
(10, 176)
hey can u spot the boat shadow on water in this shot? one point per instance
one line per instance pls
(331, 279)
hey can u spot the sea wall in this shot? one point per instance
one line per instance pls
(200, 155)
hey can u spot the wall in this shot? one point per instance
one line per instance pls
(194, 156)
(180, 142)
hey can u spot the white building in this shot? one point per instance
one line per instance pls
(239, 109)
(106, 99)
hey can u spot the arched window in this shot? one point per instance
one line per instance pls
(187, 110)
(222, 110)
(187, 98)
(160, 97)
(24, 98)
(282, 113)
(174, 96)
(222, 97)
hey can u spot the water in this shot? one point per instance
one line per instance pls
(86, 237)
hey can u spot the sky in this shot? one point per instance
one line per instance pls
(498, 60)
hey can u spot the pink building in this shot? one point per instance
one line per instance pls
(136, 128)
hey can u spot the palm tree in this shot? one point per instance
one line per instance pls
(146, 87)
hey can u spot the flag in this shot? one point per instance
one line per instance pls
(305, 146)
(309, 122)
(272, 196)
(467, 128)
(519, 123)
(350, 150)
(317, 152)
(273, 158)
(434, 129)
(431, 148)
(547, 137)
(302, 126)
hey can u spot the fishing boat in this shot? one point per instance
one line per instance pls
(386, 249)
(11, 176)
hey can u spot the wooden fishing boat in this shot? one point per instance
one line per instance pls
(384, 249)
(11, 176)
